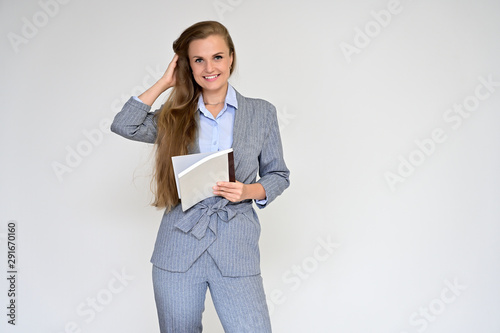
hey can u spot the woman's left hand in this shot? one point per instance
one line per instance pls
(233, 192)
(238, 191)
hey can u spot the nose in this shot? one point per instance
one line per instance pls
(209, 66)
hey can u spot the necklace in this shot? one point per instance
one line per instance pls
(213, 103)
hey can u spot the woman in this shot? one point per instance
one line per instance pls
(214, 244)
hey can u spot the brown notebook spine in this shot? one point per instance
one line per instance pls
(230, 158)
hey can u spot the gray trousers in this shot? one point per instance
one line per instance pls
(240, 302)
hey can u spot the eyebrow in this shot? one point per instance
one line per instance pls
(216, 54)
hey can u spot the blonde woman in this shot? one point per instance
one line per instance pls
(214, 244)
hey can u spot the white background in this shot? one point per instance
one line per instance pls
(347, 121)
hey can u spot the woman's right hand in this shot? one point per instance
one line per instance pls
(165, 82)
(168, 78)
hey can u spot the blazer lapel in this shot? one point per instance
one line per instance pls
(239, 128)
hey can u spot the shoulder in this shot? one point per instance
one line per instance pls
(251, 104)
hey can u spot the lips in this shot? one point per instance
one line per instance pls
(211, 77)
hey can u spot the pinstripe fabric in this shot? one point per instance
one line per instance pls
(257, 149)
(215, 243)
(240, 302)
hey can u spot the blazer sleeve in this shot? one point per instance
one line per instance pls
(135, 122)
(273, 172)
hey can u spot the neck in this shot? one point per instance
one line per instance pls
(217, 96)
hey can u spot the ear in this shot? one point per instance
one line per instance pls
(231, 60)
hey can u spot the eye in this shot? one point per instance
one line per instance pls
(198, 60)
(219, 57)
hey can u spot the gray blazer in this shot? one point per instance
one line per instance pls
(228, 231)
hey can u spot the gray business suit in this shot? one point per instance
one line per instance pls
(228, 232)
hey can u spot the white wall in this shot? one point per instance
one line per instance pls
(413, 247)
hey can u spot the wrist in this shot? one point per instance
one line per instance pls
(163, 84)
(255, 191)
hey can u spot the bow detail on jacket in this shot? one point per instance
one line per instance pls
(204, 215)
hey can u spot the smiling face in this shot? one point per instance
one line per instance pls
(210, 62)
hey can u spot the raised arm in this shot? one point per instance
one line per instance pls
(165, 82)
(135, 121)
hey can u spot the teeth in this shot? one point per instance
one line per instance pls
(211, 77)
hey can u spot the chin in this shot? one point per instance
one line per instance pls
(219, 84)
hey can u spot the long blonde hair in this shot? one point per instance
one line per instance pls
(176, 122)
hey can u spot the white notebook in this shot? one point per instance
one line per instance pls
(195, 174)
